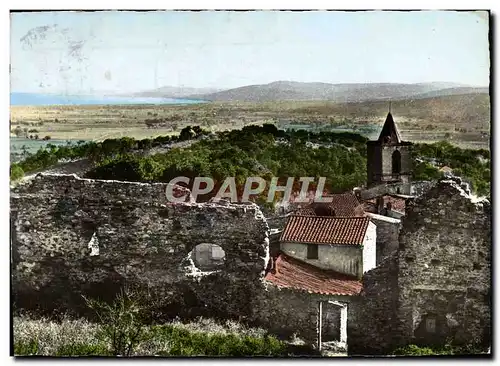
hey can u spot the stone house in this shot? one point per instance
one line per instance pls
(324, 250)
(343, 244)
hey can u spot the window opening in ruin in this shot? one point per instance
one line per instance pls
(208, 257)
(312, 251)
(396, 162)
(430, 325)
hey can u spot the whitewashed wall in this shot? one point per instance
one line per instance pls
(370, 248)
(345, 259)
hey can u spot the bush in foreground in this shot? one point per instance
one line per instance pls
(204, 337)
(16, 172)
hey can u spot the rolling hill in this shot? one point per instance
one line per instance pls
(290, 90)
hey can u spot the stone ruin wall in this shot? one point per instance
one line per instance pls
(145, 241)
(372, 316)
(290, 312)
(441, 271)
(445, 267)
(73, 236)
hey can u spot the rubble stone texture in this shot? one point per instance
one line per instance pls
(437, 287)
(445, 267)
(73, 236)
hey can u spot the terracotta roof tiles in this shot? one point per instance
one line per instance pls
(325, 230)
(292, 273)
(342, 205)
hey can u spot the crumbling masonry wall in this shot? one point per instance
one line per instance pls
(372, 316)
(289, 312)
(436, 287)
(444, 268)
(73, 237)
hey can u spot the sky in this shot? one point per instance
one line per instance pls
(123, 52)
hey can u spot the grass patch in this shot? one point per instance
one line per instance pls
(446, 350)
(82, 349)
(205, 337)
(182, 342)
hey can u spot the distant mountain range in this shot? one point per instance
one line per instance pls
(292, 90)
(275, 91)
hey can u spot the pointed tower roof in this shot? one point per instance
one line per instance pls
(390, 132)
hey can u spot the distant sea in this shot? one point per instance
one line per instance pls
(33, 99)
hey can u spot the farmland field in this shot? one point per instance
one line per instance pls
(462, 119)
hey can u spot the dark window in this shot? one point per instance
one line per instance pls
(312, 251)
(396, 162)
(430, 325)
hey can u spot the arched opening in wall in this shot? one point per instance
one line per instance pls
(396, 162)
(208, 257)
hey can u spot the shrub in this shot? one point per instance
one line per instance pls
(413, 350)
(121, 324)
(187, 133)
(16, 172)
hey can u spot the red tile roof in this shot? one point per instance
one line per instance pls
(398, 204)
(292, 273)
(325, 230)
(342, 205)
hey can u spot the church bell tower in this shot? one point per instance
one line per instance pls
(389, 158)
